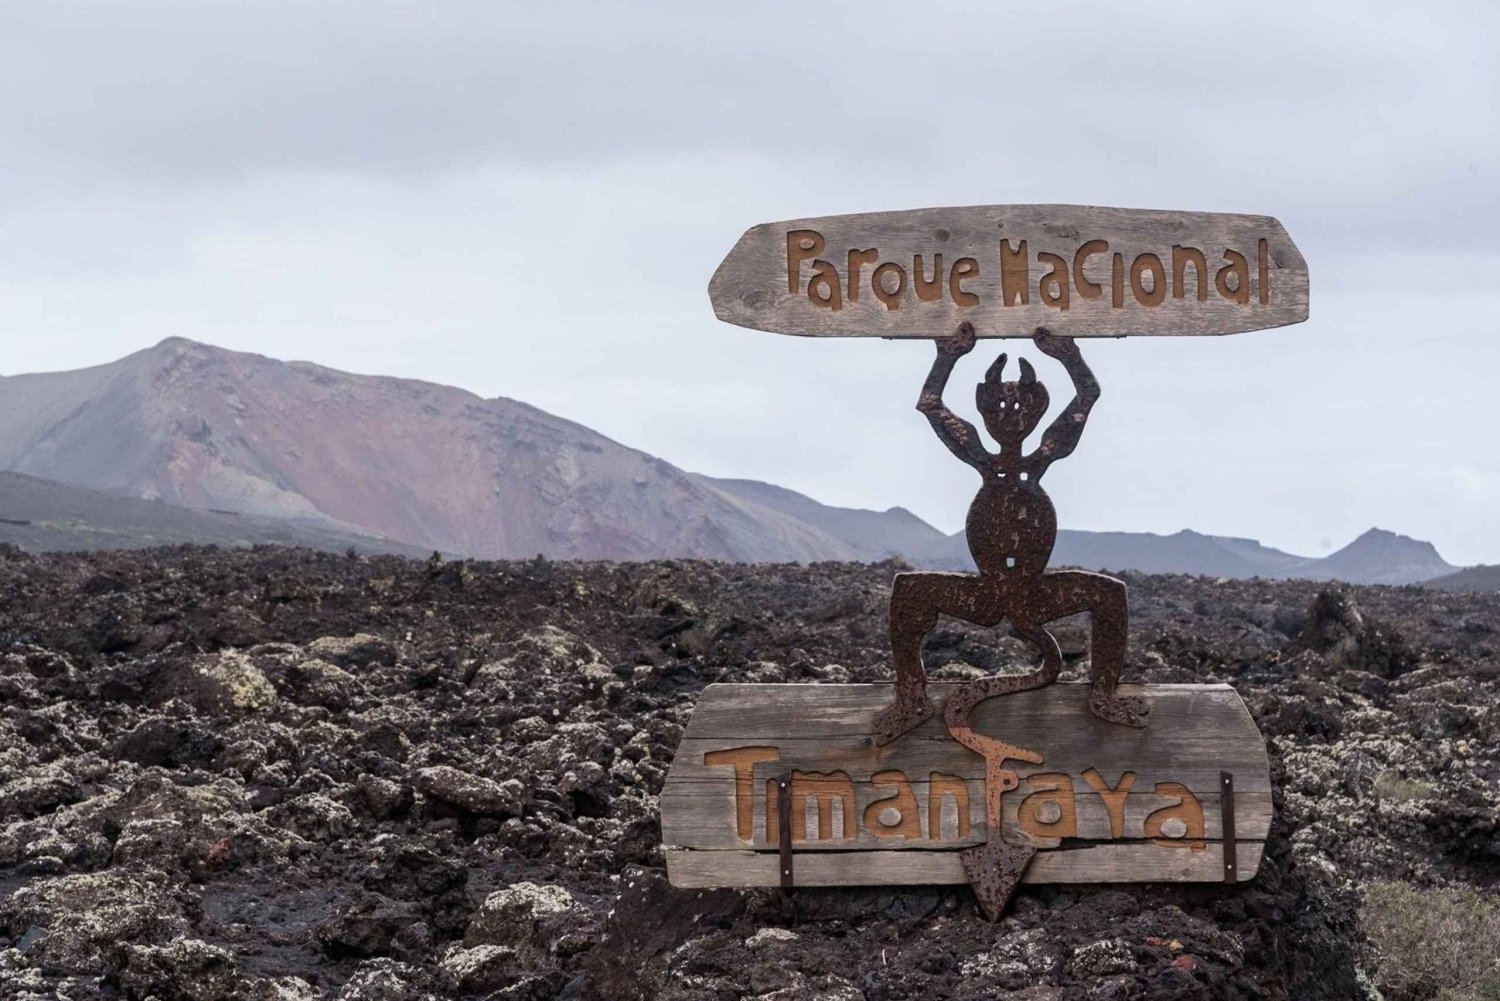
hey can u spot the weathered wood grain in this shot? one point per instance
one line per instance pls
(1094, 863)
(700, 821)
(755, 287)
(882, 797)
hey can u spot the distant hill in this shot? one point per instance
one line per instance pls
(1480, 578)
(1376, 557)
(1380, 557)
(1186, 552)
(437, 467)
(873, 535)
(44, 516)
(1182, 552)
(1265, 561)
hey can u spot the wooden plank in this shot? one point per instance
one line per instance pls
(1189, 722)
(829, 711)
(1095, 863)
(1086, 271)
(1155, 789)
(702, 821)
(1195, 731)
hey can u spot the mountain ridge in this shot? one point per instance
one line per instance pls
(1377, 556)
(874, 535)
(1484, 577)
(436, 467)
(39, 515)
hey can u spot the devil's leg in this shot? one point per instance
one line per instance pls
(913, 612)
(1066, 592)
(917, 599)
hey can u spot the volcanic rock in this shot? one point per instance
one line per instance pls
(220, 683)
(471, 792)
(511, 916)
(188, 969)
(410, 784)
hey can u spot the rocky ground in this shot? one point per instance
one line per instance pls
(275, 774)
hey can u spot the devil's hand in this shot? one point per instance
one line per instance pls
(1061, 348)
(957, 345)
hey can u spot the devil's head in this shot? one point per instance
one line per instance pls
(1010, 410)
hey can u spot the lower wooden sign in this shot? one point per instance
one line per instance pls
(1105, 803)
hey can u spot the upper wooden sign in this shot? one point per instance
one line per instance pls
(1078, 270)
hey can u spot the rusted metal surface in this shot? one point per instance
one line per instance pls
(994, 871)
(784, 827)
(1011, 529)
(1226, 812)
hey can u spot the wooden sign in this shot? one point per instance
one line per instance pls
(1106, 804)
(1077, 270)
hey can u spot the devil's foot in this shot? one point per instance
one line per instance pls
(1126, 710)
(902, 717)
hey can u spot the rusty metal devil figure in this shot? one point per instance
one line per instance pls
(1011, 529)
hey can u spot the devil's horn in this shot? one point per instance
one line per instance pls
(995, 370)
(1028, 374)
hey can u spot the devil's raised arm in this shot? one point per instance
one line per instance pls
(1061, 437)
(957, 434)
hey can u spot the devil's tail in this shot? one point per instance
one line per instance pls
(995, 869)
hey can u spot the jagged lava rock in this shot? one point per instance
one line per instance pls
(377, 778)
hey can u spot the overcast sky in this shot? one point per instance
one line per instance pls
(528, 200)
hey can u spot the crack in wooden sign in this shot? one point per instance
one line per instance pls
(1079, 270)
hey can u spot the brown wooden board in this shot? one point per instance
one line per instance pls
(899, 813)
(1078, 270)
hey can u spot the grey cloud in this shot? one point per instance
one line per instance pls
(186, 90)
(528, 199)
(1339, 109)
